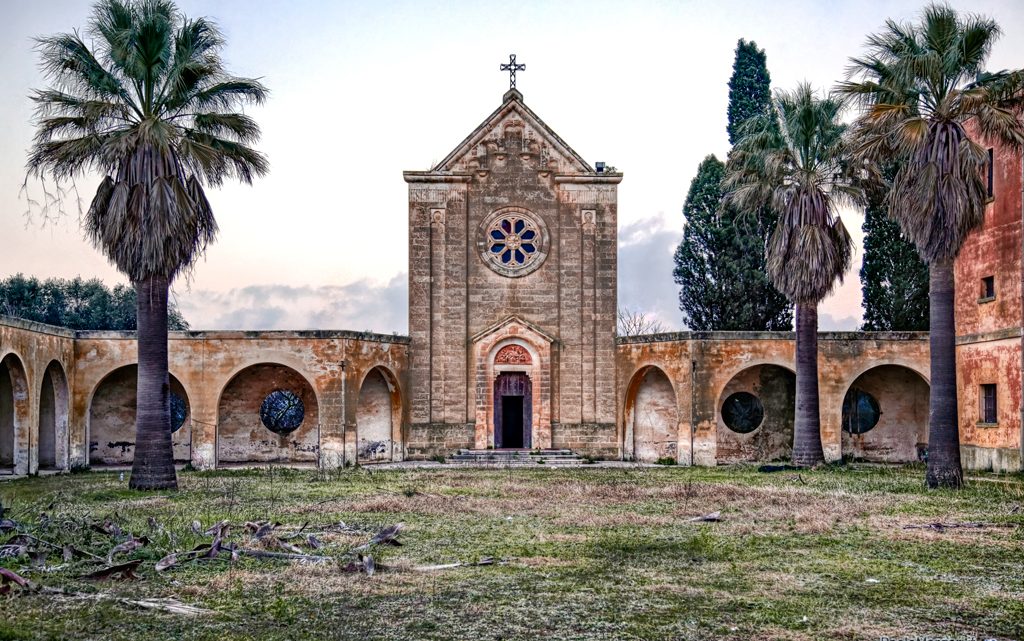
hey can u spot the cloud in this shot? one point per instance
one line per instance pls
(829, 323)
(646, 249)
(359, 305)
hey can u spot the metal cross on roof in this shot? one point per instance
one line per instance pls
(512, 68)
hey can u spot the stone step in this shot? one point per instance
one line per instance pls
(516, 457)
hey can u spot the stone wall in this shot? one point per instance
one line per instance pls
(705, 368)
(28, 351)
(669, 398)
(223, 378)
(112, 420)
(989, 348)
(461, 303)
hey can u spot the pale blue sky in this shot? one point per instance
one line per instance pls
(362, 91)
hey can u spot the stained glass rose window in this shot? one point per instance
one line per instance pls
(860, 412)
(282, 412)
(179, 412)
(742, 412)
(513, 242)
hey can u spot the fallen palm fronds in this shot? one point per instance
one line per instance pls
(123, 571)
(711, 517)
(276, 546)
(172, 606)
(487, 560)
(968, 525)
(33, 541)
(9, 578)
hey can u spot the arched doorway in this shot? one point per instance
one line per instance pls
(885, 416)
(112, 419)
(652, 417)
(755, 415)
(379, 418)
(512, 347)
(13, 414)
(268, 413)
(53, 419)
(513, 410)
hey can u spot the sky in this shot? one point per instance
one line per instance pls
(361, 91)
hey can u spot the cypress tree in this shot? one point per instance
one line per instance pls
(750, 92)
(764, 307)
(720, 265)
(894, 279)
(697, 257)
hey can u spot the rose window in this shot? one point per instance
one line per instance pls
(513, 242)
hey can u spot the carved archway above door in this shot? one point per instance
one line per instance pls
(516, 354)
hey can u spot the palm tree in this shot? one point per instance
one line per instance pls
(919, 86)
(151, 107)
(799, 166)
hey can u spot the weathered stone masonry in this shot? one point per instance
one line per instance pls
(512, 299)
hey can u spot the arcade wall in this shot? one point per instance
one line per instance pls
(67, 399)
(313, 397)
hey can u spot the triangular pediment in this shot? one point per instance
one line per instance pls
(513, 128)
(513, 320)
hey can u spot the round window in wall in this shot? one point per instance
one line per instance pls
(742, 412)
(860, 412)
(179, 412)
(282, 412)
(514, 242)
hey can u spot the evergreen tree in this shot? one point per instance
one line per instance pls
(750, 96)
(720, 265)
(76, 304)
(894, 279)
(697, 257)
(750, 92)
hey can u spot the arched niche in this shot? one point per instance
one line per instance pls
(243, 414)
(53, 419)
(14, 415)
(652, 416)
(112, 419)
(754, 415)
(379, 417)
(885, 416)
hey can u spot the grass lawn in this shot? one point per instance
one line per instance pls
(592, 553)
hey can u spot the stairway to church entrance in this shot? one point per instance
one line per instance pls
(515, 458)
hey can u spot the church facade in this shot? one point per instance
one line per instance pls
(512, 281)
(512, 344)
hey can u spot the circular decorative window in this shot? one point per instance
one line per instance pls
(742, 412)
(282, 412)
(179, 412)
(860, 412)
(514, 242)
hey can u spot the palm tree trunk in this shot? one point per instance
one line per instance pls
(807, 430)
(153, 466)
(943, 430)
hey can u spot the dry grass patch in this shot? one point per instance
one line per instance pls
(593, 554)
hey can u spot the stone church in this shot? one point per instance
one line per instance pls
(512, 270)
(512, 345)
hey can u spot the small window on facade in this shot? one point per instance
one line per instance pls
(988, 288)
(988, 403)
(990, 190)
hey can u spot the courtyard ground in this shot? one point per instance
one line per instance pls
(846, 552)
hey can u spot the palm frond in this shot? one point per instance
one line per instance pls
(151, 106)
(918, 87)
(800, 168)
